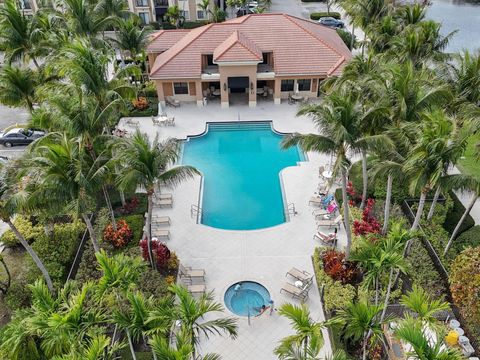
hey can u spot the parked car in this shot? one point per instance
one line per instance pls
(331, 22)
(20, 136)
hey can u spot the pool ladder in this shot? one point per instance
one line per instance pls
(196, 212)
(291, 209)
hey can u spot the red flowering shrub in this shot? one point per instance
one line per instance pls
(161, 253)
(352, 194)
(129, 206)
(118, 238)
(141, 103)
(335, 266)
(369, 224)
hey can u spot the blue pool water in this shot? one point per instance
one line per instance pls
(241, 163)
(247, 298)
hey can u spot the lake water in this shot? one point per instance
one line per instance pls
(458, 15)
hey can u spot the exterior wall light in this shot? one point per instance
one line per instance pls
(224, 86)
(251, 86)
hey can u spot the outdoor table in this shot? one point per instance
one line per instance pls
(260, 91)
(216, 92)
(296, 97)
(327, 174)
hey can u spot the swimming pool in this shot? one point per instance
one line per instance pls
(246, 298)
(240, 163)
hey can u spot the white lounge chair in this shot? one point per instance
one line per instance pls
(189, 273)
(161, 220)
(303, 276)
(162, 234)
(163, 202)
(298, 293)
(329, 222)
(326, 239)
(170, 101)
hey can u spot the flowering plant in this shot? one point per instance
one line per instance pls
(129, 206)
(141, 103)
(338, 268)
(369, 224)
(118, 238)
(161, 252)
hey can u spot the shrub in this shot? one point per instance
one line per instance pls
(150, 110)
(161, 253)
(140, 104)
(454, 214)
(18, 295)
(465, 285)
(121, 236)
(369, 224)
(346, 37)
(173, 262)
(29, 231)
(338, 268)
(152, 283)
(320, 14)
(336, 295)
(129, 207)
(423, 273)
(136, 225)
(470, 238)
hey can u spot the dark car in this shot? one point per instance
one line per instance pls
(331, 22)
(20, 136)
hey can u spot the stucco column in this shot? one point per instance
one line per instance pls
(223, 89)
(198, 90)
(160, 94)
(277, 92)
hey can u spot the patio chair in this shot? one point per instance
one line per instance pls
(131, 122)
(303, 276)
(329, 222)
(320, 213)
(161, 220)
(162, 234)
(170, 101)
(189, 273)
(297, 293)
(196, 289)
(157, 121)
(170, 121)
(326, 239)
(165, 196)
(163, 202)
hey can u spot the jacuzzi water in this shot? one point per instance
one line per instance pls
(241, 164)
(246, 299)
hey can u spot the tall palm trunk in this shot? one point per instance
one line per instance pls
(387, 296)
(109, 207)
(364, 351)
(130, 343)
(421, 205)
(352, 40)
(388, 200)
(460, 222)
(149, 226)
(364, 179)
(9, 276)
(91, 231)
(377, 290)
(434, 202)
(32, 253)
(346, 216)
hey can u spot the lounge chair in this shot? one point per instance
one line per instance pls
(326, 239)
(297, 293)
(320, 214)
(163, 202)
(303, 276)
(329, 222)
(322, 201)
(170, 101)
(189, 273)
(162, 234)
(161, 220)
(165, 196)
(196, 289)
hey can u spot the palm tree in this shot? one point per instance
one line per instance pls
(116, 9)
(338, 121)
(4, 285)
(130, 37)
(19, 35)
(98, 347)
(462, 182)
(360, 321)
(190, 313)
(412, 331)
(13, 196)
(218, 15)
(174, 15)
(17, 87)
(204, 5)
(146, 164)
(82, 19)
(183, 349)
(66, 173)
(422, 304)
(307, 341)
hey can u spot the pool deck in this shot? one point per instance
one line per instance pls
(263, 255)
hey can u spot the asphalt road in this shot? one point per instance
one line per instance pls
(11, 116)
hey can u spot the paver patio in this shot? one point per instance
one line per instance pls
(263, 255)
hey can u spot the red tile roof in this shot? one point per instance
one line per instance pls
(300, 47)
(164, 39)
(237, 47)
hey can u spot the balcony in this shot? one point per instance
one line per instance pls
(210, 72)
(265, 71)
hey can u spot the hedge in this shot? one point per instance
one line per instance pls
(135, 222)
(29, 231)
(318, 15)
(469, 238)
(454, 215)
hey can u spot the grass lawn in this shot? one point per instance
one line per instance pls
(469, 165)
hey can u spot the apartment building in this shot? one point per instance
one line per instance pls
(147, 10)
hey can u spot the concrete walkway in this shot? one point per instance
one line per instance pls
(263, 255)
